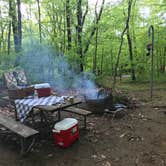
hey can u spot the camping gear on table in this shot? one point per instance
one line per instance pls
(39, 90)
(66, 132)
(21, 93)
(43, 90)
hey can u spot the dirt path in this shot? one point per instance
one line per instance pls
(137, 139)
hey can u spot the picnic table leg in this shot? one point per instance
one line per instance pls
(85, 122)
(15, 113)
(43, 117)
(32, 116)
(24, 148)
(59, 114)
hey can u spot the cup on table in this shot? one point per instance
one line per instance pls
(71, 99)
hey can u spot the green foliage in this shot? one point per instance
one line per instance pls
(110, 27)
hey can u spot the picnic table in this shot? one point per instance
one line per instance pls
(59, 107)
(44, 104)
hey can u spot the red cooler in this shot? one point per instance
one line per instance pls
(43, 90)
(66, 132)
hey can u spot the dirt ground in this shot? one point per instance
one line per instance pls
(137, 139)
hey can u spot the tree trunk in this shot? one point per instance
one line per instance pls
(118, 57)
(9, 34)
(95, 54)
(80, 22)
(97, 19)
(1, 38)
(68, 22)
(134, 35)
(12, 14)
(19, 25)
(102, 58)
(39, 20)
(79, 33)
(131, 54)
(54, 22)
(162, 59)
(121, 42)
(158, 63)
(112, 63)
(64, 33)
(164, 63)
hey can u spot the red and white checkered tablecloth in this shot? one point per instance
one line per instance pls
(24, 106)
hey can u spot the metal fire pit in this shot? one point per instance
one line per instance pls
(98, 104)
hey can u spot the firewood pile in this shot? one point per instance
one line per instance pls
(123, 98)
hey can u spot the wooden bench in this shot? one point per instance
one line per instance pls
(20, 129)
(79, 111)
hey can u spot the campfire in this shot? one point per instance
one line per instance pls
(96, 99)
(99, 101)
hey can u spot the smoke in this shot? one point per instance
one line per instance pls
(44, 64)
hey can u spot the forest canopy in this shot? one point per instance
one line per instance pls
(105, 37)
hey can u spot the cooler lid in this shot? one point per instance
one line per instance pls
(65, 124)
(43, 85)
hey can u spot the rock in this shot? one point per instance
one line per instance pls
(95, 140)
(3, 129)
(122, 135)
(97, 132)
(117, 159)
(107, 163)
(103, 156)
(94, 156)
(91, 124)
(50, 155)
(107, 133)
(136, 161)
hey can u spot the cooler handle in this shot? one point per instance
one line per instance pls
(55, 131)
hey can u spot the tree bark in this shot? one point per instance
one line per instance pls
(95, 54)
(79, 32)
(163, 60)
(121, 42)
(12, 14)
(19, 25)
(80, 23)
(131, 55)
(164, 64)
(64, 33)
(96, 21)
(39, 20)
(9, 34)
(2, 35)
(118, 57)
(102, 59)
(68, 22)
(112, 63)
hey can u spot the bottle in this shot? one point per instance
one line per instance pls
(35, 94)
